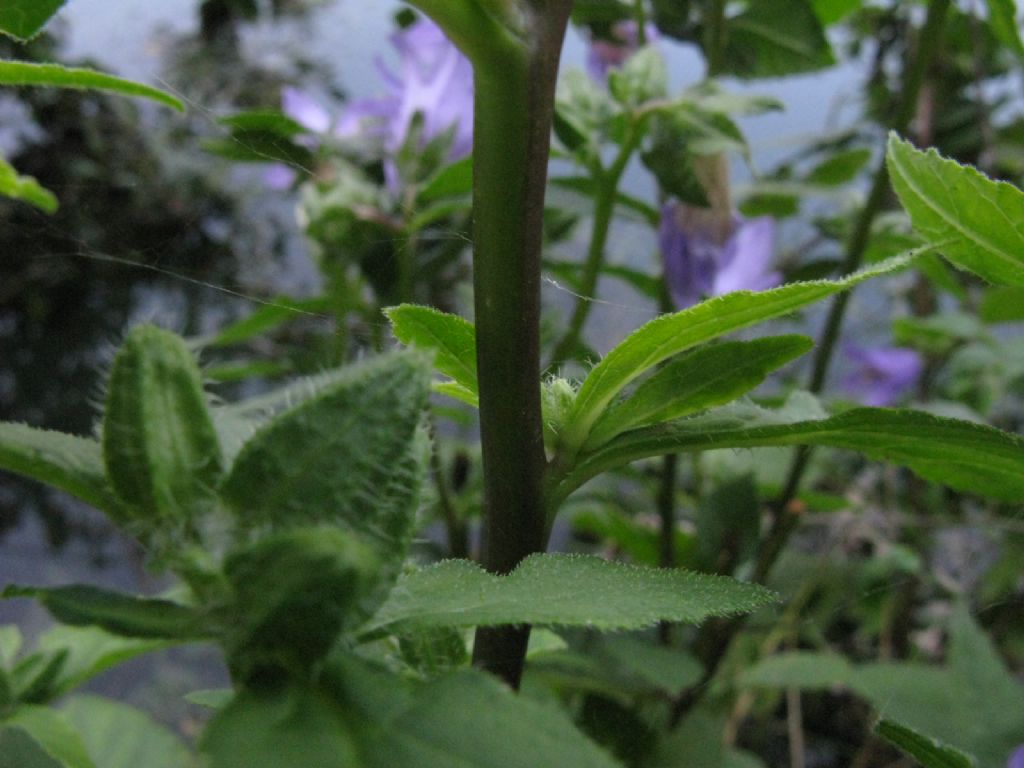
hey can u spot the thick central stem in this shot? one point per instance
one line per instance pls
(513, 106)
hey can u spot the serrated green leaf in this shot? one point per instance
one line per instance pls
(53, 733)
(643, 78)
(963, 455)
(929, 752)
(561, 590)
(349, 456)
(119, 736)
(668, 335)
(116, 612)
(702, 379)
(25, 188)
(774, 38)
(160, 447)
(451, 338)
(975, 222)
(26, 73)
(73, 464)
(24, 19)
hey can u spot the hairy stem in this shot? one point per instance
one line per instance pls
(513, 107)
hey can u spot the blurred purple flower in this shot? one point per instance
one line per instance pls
(604, 55)
(881, 375)
(305, 110)
(705, 257)
(1017, 758)
(432, 79)
(279, 176)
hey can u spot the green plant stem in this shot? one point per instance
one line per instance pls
(714, 36)
(455, 526)
(716, 637)
(513, 108)
(640, 17)
(606, 183)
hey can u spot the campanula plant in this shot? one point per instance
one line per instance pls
(288, 517)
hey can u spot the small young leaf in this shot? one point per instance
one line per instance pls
(26, 73)
(73, 464)
(643, 78)
(668, 335)
(773, 38)
(24, 19)
(703, 379)
(965, 456)
(451, 338)
(160, 447)
(561, 590)
(25, 188)
(975, 222)
(115, 612)
(930, 753)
